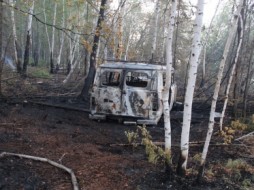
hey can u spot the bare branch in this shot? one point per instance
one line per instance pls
(242, 137)
(65, 30)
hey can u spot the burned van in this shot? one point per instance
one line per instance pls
(128, 91)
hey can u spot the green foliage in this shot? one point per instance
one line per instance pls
(132, 137)
(235, 165)
(229, 132)
(153, 151)
(42, 63)
(41, 73)
(197, 157)
(246, 183)
(236, 168)
(238, 125)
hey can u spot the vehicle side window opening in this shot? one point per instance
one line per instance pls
(110, 78)
(136, 79)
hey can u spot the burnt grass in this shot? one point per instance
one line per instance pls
(98, 152)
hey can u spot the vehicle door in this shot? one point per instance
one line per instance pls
(136, 93)
(108, 93)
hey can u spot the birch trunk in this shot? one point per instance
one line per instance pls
(207, 38)
(15, 39)
(156, 29)
(129, 39)
(1, 45)
(62, 40)
(247, 83)
(232, 74)
(73, 48)
(28, 38)
(217, 88)
(162, 57)
(46, 27)
(250, 63)
(195, 52)
(128, 44)
(119, 50)
(52, 67)
(165, 95)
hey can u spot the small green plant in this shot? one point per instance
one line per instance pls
(236, 164)
(246, 183)
(153, 151)
(238, 125)
(132, 137)
(197, 157)
(235, 167)
(228, 133)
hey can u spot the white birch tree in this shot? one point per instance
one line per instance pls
(165, 95)
(121, 13)
(61, 40)
(232, 32)
(192, 75)
(156, 11)
(15, 38)
(28, 37)
(46, 27)
(232, 74)
(73, 48)
(50, 44)
(207, 38)
(1, 45)
(53, 41)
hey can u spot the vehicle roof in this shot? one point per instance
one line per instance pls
(132, 65)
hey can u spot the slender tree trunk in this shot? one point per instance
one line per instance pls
(156, 30)
(46, 29)
(74, 47)
(238, 73)
(232, 74)
(162, 54)
(206, 40)
(128, 45)
(28, 39)
(72, 65)
(1, 46)
(250, 63)
(90, 77)
(52, 66)
(165, 95)
(247, 83)
(217, 88)
(119, 50)
(15, 39)
(130, 34)
(62, 39)
(196, 48)
(36, 40)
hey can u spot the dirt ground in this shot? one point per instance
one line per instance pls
(97, 152)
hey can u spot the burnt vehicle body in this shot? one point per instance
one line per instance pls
(131, 92)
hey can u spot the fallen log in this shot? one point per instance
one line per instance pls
(73, 177)
(191, 144)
